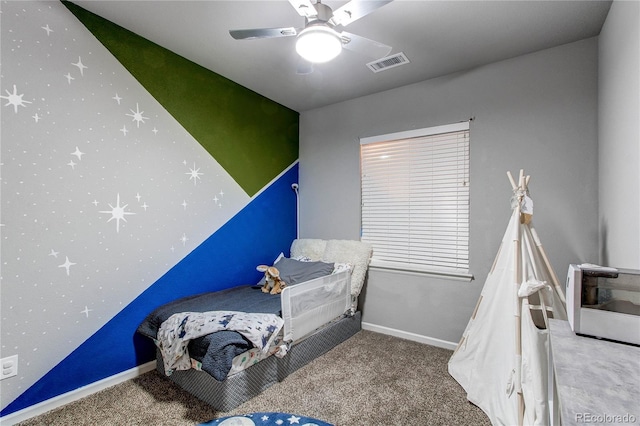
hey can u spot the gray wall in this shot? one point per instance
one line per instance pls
(537, 112)
(619, 135)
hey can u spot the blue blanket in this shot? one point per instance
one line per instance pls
(215, 351)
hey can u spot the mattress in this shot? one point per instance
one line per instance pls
(304, 307)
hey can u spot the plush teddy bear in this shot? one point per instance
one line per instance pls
(273, 283)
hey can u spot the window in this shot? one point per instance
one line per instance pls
(415, 199)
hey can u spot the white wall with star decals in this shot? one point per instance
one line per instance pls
(102, 190)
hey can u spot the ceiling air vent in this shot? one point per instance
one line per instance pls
(388, 62)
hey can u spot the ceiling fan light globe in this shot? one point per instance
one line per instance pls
(318, 44)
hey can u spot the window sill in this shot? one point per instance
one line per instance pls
(415, 270)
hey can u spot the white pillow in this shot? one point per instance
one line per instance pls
(354, 252)
(308, 247)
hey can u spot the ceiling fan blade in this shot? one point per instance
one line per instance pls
(355, 9)
(364, 46)
(264, 33)
(304, 8)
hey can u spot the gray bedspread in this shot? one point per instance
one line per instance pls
(217, 350)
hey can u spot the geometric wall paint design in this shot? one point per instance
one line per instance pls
(208, 105)
(117, 346)
(105, 198)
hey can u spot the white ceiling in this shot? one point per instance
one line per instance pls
(438, 38)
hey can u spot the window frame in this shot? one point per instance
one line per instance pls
(462, 274)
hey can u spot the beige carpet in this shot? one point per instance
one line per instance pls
(371, 379)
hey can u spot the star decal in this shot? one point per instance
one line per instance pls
(14, 99)
(53, 253)
(184, 239)
(117, 98)
(69, 78)
(72, 164)
(137, 115)
(194, 174)
(36, 117)
(77, 153)
(47, 29)
(118, 213)
(80, 66)
(86, 311)
(67, 265)
(124, 130)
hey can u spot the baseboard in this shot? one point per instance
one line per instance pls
(409, 336)
(60, 400)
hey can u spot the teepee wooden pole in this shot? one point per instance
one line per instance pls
(554, 277)
(513, 182)
(518, 339)
(521, 179)
(517, 278)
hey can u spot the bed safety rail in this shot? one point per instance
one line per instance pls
(311, 304)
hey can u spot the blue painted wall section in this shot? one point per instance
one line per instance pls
(256, 235)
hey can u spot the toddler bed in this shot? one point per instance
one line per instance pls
(259, 338)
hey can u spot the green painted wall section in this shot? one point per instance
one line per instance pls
(252, 137)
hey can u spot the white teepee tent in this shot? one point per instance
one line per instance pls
(502, 358)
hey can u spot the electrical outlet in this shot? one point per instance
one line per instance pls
(9, 367)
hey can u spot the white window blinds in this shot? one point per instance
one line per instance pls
(415, 199)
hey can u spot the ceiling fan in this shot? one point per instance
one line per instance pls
(322, 37)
